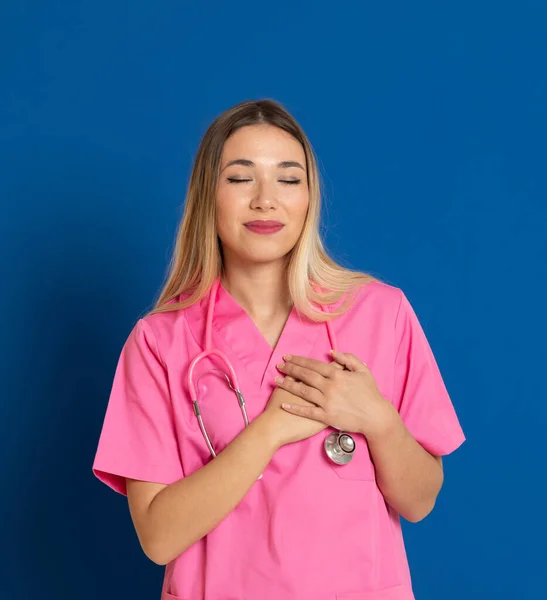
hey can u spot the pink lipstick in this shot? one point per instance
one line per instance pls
(264, 227)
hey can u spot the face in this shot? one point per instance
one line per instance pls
(262, 178)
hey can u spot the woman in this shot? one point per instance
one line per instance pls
(264, 512)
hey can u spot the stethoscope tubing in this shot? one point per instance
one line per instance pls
(331, 442)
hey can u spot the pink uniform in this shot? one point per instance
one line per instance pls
(308, 529)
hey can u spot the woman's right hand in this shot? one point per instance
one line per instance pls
(284, 426)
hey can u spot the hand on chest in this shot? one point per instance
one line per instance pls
(253, 352)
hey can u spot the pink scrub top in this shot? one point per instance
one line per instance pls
(309, 529)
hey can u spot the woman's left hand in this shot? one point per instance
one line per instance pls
(344, 392)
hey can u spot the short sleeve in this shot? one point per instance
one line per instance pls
(138, 438)
(420, 394)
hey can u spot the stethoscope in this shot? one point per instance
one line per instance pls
(339, 446)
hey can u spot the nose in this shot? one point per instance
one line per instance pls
(265, 197)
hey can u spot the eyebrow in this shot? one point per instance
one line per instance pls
(285, 164)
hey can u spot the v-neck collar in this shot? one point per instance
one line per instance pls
(235, 333)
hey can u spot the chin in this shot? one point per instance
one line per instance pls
(258, 251)
(262, 257)
(254, 253)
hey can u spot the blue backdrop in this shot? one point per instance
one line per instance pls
(429, 120)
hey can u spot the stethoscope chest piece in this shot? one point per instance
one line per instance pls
(340, 447)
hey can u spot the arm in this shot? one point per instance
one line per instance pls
(169, 519)
(423, 424)
(409, 477)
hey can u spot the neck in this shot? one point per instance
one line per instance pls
(261, 290)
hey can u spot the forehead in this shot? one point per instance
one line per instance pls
(262, 143)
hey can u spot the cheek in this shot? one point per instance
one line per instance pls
(227, 209)
(223, 215)
(299, 210)
(226, 229)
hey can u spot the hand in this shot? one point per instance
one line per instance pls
(347, 399)
(286, 427)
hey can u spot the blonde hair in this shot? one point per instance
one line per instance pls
(312, 275)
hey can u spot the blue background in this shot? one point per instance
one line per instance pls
(429, 120)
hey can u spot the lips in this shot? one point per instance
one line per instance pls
(264, 226)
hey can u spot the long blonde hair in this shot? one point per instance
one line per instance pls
(312, 275)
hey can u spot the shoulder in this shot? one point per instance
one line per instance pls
(373, 308)
(162, 330)
(379, 297)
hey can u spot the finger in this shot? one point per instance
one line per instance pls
(309, 412)
(311, 378)
(349, 361)
(300, 389)
(323, 368)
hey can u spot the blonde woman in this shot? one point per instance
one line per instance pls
(275, 414)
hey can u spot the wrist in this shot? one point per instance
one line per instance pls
(389, 423)
(268, 433)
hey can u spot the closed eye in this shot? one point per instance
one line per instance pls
(288, 181)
